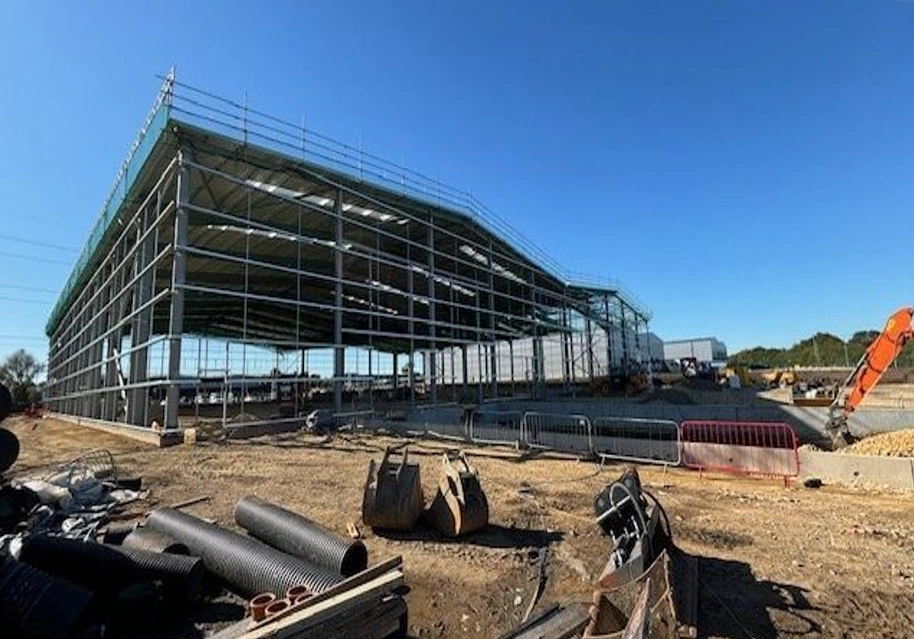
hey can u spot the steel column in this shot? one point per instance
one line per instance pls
(339, 359)
(179, 269)
(625, 353)
(432, 374)
(142, 322)
(493, 349)
(588, 329)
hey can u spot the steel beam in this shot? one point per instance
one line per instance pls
(176, 311)
(339, 359)
(432, 374)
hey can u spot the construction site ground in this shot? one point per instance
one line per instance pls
(774, 561)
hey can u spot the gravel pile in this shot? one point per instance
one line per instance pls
(897, 444)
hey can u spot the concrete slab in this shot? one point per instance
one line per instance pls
(808, 422)
(145, 435)
(858, 470)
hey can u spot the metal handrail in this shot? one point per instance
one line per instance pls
(358, 163)
(240, 120)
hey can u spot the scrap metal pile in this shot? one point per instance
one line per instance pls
(68, 570)
(648, 588)
(393, 498)
(68, 567)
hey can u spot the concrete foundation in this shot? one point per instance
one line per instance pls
(145, 435)
(858, 470)
(808, 422)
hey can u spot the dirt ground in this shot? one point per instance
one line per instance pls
(773, 561)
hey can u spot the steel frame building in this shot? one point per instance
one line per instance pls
(231, 229)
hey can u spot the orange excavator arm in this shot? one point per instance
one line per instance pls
(869, 370)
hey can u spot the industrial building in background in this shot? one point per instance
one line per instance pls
(241, 260)
(703, 349)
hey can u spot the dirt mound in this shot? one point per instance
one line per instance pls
(897, 444)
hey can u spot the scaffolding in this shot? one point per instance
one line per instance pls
(245, 261)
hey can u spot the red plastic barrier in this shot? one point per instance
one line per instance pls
(744, 448)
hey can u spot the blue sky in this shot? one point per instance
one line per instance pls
(745, 167)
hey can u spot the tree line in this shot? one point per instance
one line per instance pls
(822, 349)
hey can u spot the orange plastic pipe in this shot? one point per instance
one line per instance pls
(880, 355)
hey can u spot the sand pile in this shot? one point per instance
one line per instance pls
(897, 444)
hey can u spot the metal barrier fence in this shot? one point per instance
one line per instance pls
(566, 433)
(441, 420)
(649, 441)
(746, 448)
(496, 427)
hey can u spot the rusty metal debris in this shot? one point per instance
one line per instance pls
(555, 622)
(643, 560)
(460, 505)
(638, 529)
(393, 493)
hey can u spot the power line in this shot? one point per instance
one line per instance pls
(30, 288)
(47, 221)
(23, 240)
(45, 260)
(21, 338)
(22, 301)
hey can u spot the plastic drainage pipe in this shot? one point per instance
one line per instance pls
(6, 402)
(155, 541)
(108, 569)
(36, 604)
(9, 449)
(249, 566)
(299, 536)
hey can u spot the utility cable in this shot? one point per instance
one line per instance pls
(29, 288)
(22, 301)
(47, 221)
(33, 258)
(22, 240)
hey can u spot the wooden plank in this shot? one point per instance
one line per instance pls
(557, 623)
(380, 621)
(190, 502)
(247, 625)
(354, 581)
(232, 632)
(342, 604)
(377, 622)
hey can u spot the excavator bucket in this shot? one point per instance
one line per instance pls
(393, 493)
(460, 505)
(643, 559)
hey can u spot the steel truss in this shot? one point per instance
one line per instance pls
(232, 233)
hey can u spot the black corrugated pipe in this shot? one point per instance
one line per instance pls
(154, 541)
(299, 536)
(115, 534)
(249, 566)
(35, 604)
(6, 402)
(108, 569)
(9, 449)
